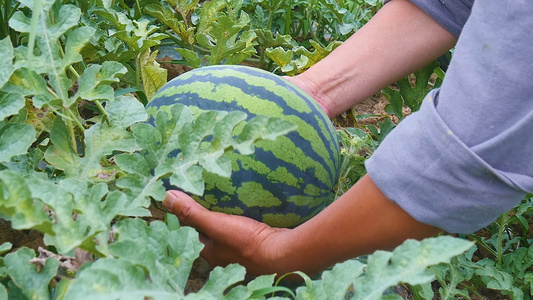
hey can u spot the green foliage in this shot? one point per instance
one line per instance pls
(412, 89)
(356, 146)
(299, 59)
(222, 31)
(408, 263)
(146, 260)
(32, 282)
(80, 164)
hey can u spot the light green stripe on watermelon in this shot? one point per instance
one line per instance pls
(300, 159)
(312, 190)
(258, 80)
(228, 210)
(283, 220)
(224, 184)
(307, 132)
(253, 194)
(281, 174)
(248, 162)
(310, 201)
(325, 132)
(226, 93)
(256, 105)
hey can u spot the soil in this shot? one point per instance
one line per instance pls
(20, 238)
(173, 69)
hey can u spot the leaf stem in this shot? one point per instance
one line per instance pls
(78, 123)
(138, 71)
(102, 110)
(72, 134)
(288, 16)
(33, 30)
(502, 224)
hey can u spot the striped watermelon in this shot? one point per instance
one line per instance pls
(285, 182)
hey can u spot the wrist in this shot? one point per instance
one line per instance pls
(310, 87)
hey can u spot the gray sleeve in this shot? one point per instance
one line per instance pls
(450, 14)
(467, 155)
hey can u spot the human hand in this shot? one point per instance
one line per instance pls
(227, 238)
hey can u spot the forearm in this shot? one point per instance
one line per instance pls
(399, 40)
(361, 221)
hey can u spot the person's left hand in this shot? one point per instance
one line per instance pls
(227, 238)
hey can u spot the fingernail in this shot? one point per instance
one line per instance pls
(169, 201)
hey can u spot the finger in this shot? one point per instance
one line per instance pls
(214, 225)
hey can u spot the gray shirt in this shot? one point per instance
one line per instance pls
(467, 155)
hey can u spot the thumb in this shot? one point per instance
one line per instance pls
(188, 211)
(216, 226)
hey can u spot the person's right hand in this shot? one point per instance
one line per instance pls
(228, 238)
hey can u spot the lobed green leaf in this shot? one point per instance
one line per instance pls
(149, 261)
(100, 140)
(334, 283)
(6, 61)
(408, 263)
(32, 282)
(94, 83)
(17, 204)
(15, 139)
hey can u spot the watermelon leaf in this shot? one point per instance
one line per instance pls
(100, 140)
(5, 247)
(220, 279)
(6, 61)
(266, 39)
(228, 39)
(148, 261)
(3, 292)
(94, 83)
(153, 76)
(193, 59)
(263, 128)
(15, 139)
(10, 104)
(30, 84)
(413, 94)
(176, 18)
(169, 255)
(17, 204)
(32, 282)
(334, 283)
(180, 147)
(138, 35)
(408, 263)
(299, 59)
(53, 60)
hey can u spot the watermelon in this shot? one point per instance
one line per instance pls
(286, 181)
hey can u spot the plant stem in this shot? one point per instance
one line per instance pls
(138, 71)
(138, 7)
(72, 134)
(502, 224)
(33, 30)
(288, 16)
(102, 110)
(78, 123)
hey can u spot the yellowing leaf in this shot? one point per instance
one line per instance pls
(153, 76)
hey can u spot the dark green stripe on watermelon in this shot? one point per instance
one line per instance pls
(286, 181)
